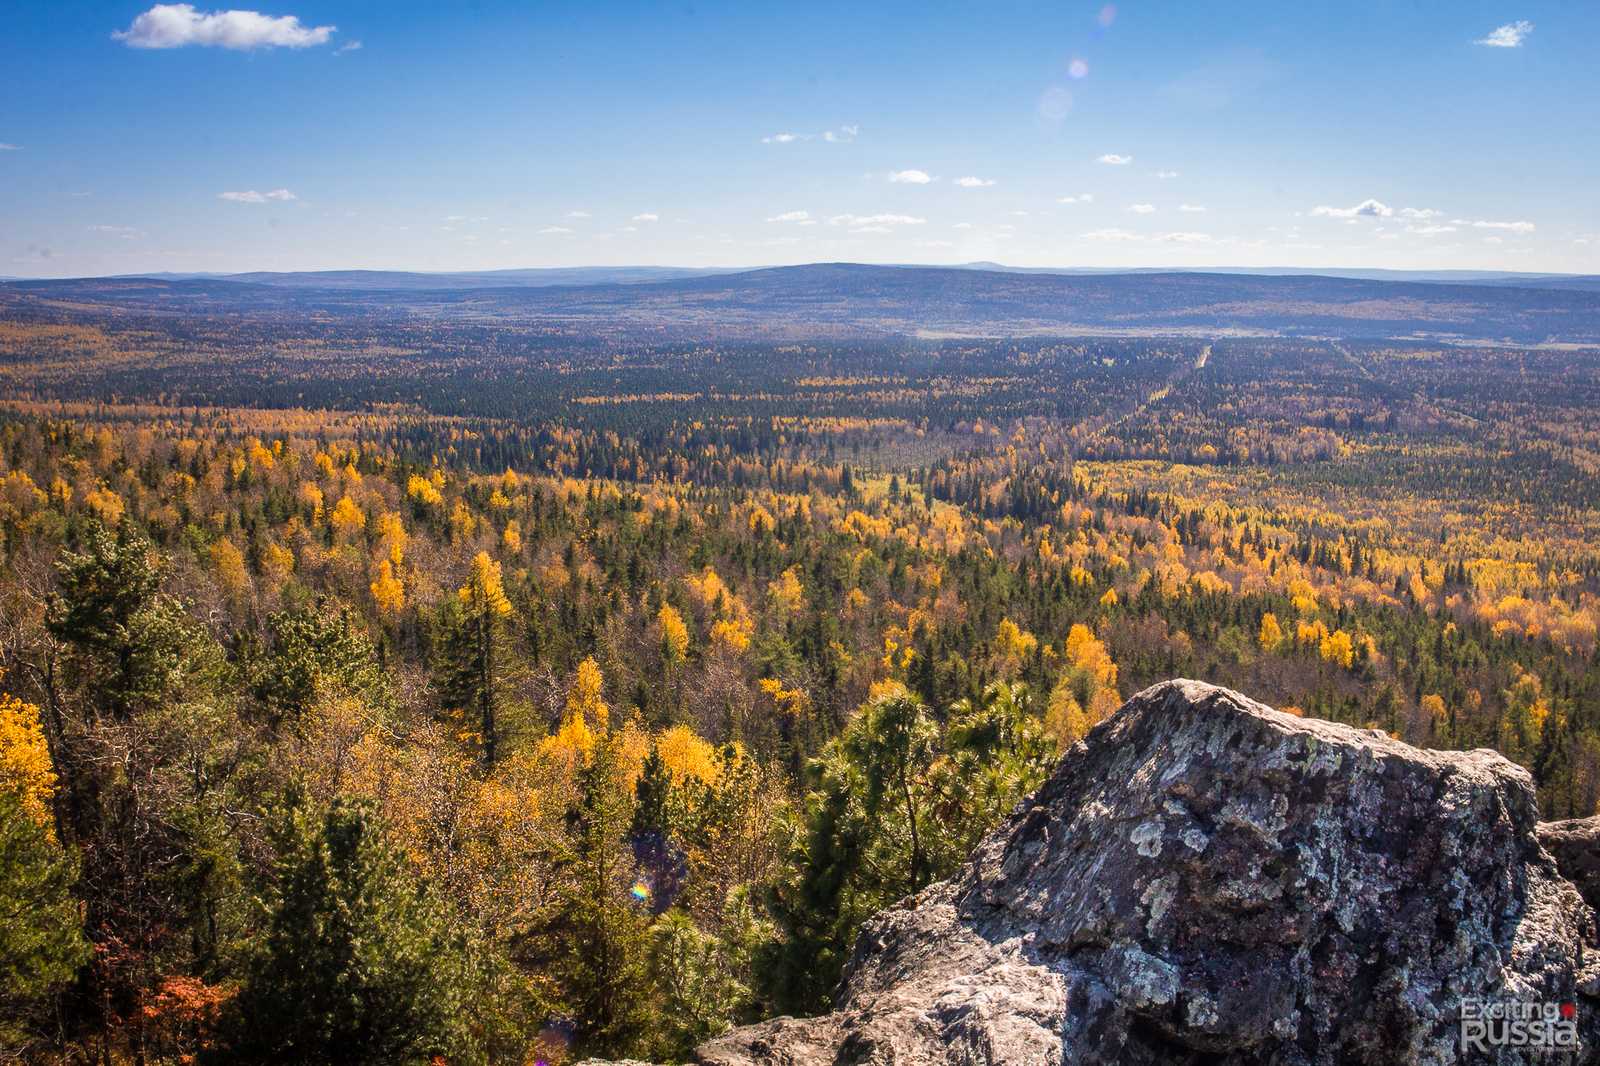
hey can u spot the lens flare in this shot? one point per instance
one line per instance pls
(1078, 68)
(1055, 104)
(1108, 15)
(640, 891)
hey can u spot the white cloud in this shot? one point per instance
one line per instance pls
(1178, 237)
(1081, 198)
(875, 220)
(577, 214)
(1430, 230)
(1115, 160)
(1510, 227)
(1192, 209)
(1420, 213)
(970, 182)
(1511, 35)
(1365, 209)
(1142, 209)
(178, 25)
(127, 233)
(1165, 174)
(910, 177)
(550, 230)
(648, 216)
(962, 225)
(937, 244)
(348, 46)
(791, 216)
(4, 147)
(842, 135)
(1111, 235)
(251, 196)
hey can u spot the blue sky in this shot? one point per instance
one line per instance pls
(317, 135)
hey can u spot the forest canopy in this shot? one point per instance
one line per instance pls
(469, 692)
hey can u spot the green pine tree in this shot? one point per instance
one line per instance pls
(356, 964)
(601, 934)
(41, 941)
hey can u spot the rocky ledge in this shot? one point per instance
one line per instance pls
(1207, 880)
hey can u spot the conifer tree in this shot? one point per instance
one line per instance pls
(601, 936)
(473, 661)
(355, 964)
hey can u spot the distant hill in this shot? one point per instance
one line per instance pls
(840, 298)
(386, 280)
(537, 277)
(1462, 277)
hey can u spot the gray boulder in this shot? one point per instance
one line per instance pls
(1207, 880)
(1575, 845)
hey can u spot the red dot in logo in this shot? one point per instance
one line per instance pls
(1569, 1010)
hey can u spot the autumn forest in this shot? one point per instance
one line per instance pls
(389, 685)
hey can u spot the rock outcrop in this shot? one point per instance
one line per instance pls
(1575, 845)
(1207, 880)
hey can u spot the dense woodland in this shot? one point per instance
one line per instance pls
(387, 690)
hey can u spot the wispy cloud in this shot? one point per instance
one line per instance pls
(126, 233)
(577, 214)
(251, 196)
(1115, 160)
(1511, 35)
(1365, 209)
(882, 223)
(1112, 234)
(971, 182)
(1142, 209)
(348, 46)
(1166, 174)
(842, 135)
(4, 147)
(791, 216)
(179, 25)
(647, 216)
(910, 177)
(1419, 213)
(1510, 227)
(1192, 209)
(1081, 198)
(553, 230)
(1430, 230)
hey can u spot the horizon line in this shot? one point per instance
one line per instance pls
(989, 266)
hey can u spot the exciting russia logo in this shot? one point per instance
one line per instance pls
(1487, 1024)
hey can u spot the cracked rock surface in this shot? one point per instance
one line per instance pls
(1207, 880)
